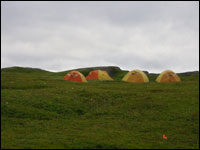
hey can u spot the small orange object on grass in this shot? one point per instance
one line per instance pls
(164, 137)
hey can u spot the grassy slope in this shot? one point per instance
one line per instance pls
(40, 110)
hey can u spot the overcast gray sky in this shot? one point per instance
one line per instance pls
(58, 36)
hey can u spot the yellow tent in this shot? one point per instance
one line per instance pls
(98, 75)
(136, 76)
(168, 76)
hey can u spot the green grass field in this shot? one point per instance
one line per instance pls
(40, 110)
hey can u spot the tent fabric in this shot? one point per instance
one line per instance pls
(75, 76)
(98, 75)
(168, 76)
(136, 76)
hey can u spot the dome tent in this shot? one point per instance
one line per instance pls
(136, 76)
(98, 75)
(75, 76)
(168, 76)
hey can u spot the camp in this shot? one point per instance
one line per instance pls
(136, 76)
(168, 76)
(75, 76)
(98, 75)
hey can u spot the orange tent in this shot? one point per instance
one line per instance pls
(75, 76)
(98, 75)
(168, 76)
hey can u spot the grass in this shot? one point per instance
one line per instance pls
(40, 110)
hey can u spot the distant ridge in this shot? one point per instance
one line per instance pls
(23, 69)
(110, 69)
(189, 73)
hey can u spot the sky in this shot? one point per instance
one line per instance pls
(58, 36)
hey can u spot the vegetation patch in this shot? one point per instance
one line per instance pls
(41, 111)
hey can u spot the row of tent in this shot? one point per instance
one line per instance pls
(135, 76)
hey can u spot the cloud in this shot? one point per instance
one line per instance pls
(58, 36)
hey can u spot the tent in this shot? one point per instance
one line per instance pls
(168, 76)
(136, 76)
(98, 75)
(75, 76)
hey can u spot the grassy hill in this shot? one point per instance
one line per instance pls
(40, 110)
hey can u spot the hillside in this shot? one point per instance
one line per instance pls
(23, 70)
(40, 110)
